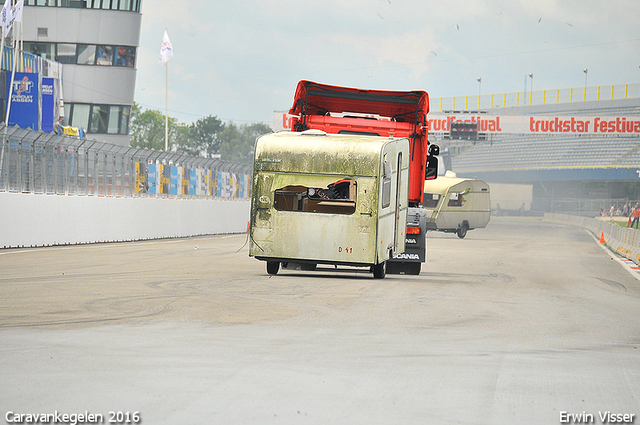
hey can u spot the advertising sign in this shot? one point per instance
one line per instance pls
(173, 188)
(539, 124)
(24, 100)
(152, 179)
(48, 105)
(219, 184)
(439, 122)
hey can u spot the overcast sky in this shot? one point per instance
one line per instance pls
(240, 60)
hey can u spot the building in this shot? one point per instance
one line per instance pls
(97, 43)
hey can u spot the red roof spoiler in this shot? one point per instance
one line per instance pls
(319, 99)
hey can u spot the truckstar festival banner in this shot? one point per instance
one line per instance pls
(539, 124)
(24, 100)
(520, 124)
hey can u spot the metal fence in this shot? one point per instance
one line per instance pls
(45, 163)
(536, 97)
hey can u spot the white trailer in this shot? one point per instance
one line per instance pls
(456, 205)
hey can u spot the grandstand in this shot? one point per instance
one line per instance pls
(598, 168)
(528, 158)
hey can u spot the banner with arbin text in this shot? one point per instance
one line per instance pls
(24, 100)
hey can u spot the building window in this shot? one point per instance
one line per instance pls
(114, 119)
(123, 5)
(86, 54)
(124, 120)
(98, 119)
(104, 55)
(125, 56)
(44, 50)
(78, 115)
(66, 53)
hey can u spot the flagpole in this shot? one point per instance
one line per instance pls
(166, 108)
(6, 124)
(166, 53)
(13, 76)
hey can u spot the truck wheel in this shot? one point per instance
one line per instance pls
(273, 267)
(462, 230)
(379, 270)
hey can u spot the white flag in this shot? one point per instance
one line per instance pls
(166, 51)
(5, 14)
(17, 11)
(12, 16)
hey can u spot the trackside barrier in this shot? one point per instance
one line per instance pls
(45, 163)
(621, 240)
(59, 190)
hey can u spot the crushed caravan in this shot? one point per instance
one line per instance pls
(334, 199)
(456, 205)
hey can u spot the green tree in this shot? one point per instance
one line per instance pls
(147, 129)
(230, 141)
(237, 142)
(204, 137)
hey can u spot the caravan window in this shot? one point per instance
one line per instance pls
(455, 200)
(336, 198)
(431, 200)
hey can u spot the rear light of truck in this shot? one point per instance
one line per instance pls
(413, 230)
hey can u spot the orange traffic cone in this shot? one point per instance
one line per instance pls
(602, 237)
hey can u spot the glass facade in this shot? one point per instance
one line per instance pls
(123, 5)
(84, 54)
(98, 119)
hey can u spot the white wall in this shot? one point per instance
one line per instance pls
(42, 220)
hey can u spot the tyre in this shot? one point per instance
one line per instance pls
(273, 267)
(379, 270)
(462, 230)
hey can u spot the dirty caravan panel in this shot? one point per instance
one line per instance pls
(323, 230)
(317, 198)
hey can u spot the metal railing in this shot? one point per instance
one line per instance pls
(45, 163)
(536, 97)
(28, 62)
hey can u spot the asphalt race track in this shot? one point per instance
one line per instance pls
(524, 322)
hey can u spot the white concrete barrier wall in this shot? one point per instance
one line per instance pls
(622, 240)
(43, 220)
